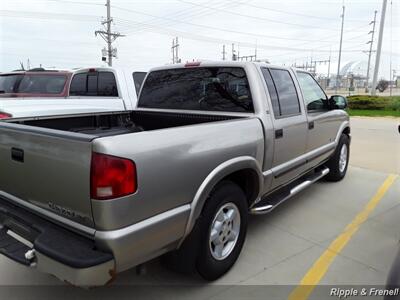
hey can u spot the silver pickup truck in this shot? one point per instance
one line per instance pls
(87, 196)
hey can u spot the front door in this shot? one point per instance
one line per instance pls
(323, 122)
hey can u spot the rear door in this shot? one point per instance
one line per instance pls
(290, 125)
(46, 168)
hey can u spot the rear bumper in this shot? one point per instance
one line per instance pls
(36, 242)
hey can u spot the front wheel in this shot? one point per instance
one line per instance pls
(339, 161)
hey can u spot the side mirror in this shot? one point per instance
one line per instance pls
(338, 102)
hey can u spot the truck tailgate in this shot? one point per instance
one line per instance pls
(47, 168)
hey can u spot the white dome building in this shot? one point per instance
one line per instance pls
(356, 68)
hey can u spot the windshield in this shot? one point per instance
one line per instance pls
(210, 89)
(32, 83)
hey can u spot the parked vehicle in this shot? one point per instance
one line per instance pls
(393, 279)
(49, 93)
(87, 196)
(34, 83)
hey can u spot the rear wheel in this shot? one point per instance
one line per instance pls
(215, 243)
(339, 161)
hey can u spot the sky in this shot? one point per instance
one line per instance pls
(60, 33)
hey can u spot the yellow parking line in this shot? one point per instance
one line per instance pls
(320, 267)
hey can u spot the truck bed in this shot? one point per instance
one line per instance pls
(46, 162)
(109, 124)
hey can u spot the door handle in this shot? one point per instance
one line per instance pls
(278, 133)
(311, 125)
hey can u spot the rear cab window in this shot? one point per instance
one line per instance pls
(33, 83)
(201, 88)
(100, 84)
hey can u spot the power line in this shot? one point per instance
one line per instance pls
(252, 17)
(296, 14)
(194, 36)
(48, 16)
(216, 28)
(184, 14)
(75, 2)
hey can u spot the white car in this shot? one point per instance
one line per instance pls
(89, 90)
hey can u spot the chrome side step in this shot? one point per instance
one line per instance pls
(267, 204)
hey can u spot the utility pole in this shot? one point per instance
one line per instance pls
(378, 49)
(340, 51)
(329, 68)
(234, 57)
(370, 50)
(223, 52)
(174, 49)
(108, 36)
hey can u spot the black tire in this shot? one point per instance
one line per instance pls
(195, 253)
(337, 173)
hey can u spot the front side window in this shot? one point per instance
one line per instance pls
(203, 88)
(314, 96)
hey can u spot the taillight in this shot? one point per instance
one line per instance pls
(4, 115)
(111, 177)
(192, 64)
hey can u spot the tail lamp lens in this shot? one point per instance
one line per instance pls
(4, 115)
(112, 177)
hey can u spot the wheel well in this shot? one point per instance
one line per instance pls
(247, 180)
(346, 131)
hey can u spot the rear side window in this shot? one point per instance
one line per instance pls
(9, 83)
(78, 85)
(94, 84)
(138, 78)
(107, 85)
(272, 92)
(204, 88)
(284, 90)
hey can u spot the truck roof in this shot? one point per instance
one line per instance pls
(36, 72)
(104, 68)
(221, 63)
